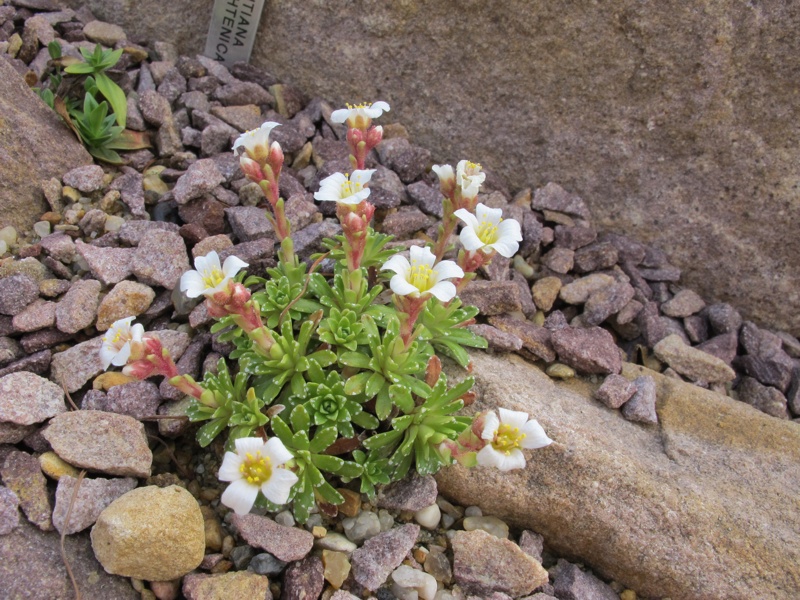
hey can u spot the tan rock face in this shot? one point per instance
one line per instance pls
(675, 121)
(34, 145)
(150, 533)
(706, 504)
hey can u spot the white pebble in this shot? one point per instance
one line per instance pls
(447, 521)
(386, 519)
(285, 517)
(41, 228)
(335, 541)
(491, 525)
(429, 516)
(113, 223)
(473, 511)
(410, 578)
(8, 235)
(3, 247)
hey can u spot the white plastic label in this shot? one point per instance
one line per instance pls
(232, 31)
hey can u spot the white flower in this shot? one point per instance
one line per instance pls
(506, 436)
(420, 276)
(209, 278)
(254, 467)
(343, 189)
(444, 173)
(256, 139)
(116, 348)
(359, 113)
(469, 177)
(489, 230)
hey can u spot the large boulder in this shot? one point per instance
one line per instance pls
(35, 145)
(706, 504)
(676, 121)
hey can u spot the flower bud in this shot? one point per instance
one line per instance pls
(250, 168)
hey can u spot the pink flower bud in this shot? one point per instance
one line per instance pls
(251, 169)
(374, 136)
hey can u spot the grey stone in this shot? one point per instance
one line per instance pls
(249, 223)
(380, 555)
(764, 398)
(405, 222)
(559, 260)
(285, 543)
(92, 496)
(108, 265)
(131, 192)
(492, 297)
(17, 292)
(535, 339)
(412, 493)
(615, 391)
(607, 301)
(595, 257)
(571, 583)
(39, 314)
(692, 363)
(683, 304)
(427, 197)
(405, 159)
(642, 405)
(160, 259)
(9, 515)
(101, 441)
(303, 579)
(22, 474)
(554, 197)
(266, 564)
(77, 310)
(202, 177)
(85, 179)
(590, 350)
(26, 398)
(60, 246)
(137, 399)
(574, 237)
(498, 340)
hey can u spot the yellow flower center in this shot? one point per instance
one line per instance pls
(357, 106)
(256, 469)
(212, 278)
(420, 277)
(507, 439)
(487, 231)
(472, 168)
(350, 188)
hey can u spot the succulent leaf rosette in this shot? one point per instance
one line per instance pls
(334, 378)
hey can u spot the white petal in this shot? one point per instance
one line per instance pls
(470, 240)
(192, 284)
(380, 105)
(340, 116)
(208, 262)
(229, 470)
(356, 198)
(469, 219)
(401, 287)
(490, 425)
(330, 188)
(249, 445)
(514, 418)
(485, 213)
(362, 176)
(510, 228)
(399, 264)
(137, 331)
(447, 269)
(279, 486)
(507, 248)
(277, 452)
(240, 496)
(107, 354)
(443, 172)
(444, 291)
(471, 190)
(489, 457)
(232, 265)
(514, 460)
(421, 255)
(535, 437)
(121, 358)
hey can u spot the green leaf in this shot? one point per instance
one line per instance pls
(365, 420)
(354, 359)
(207, 433)
(330, 495)
(382, 440)
(374, 385)
(115, 96)
(300, 419)
(383, 405)
(80, 68)
(323, 438)
(281, 429)
(349, 469)
(401, 396)
(357, 383)
(332, 464)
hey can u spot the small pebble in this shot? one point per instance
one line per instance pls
(428, 517)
